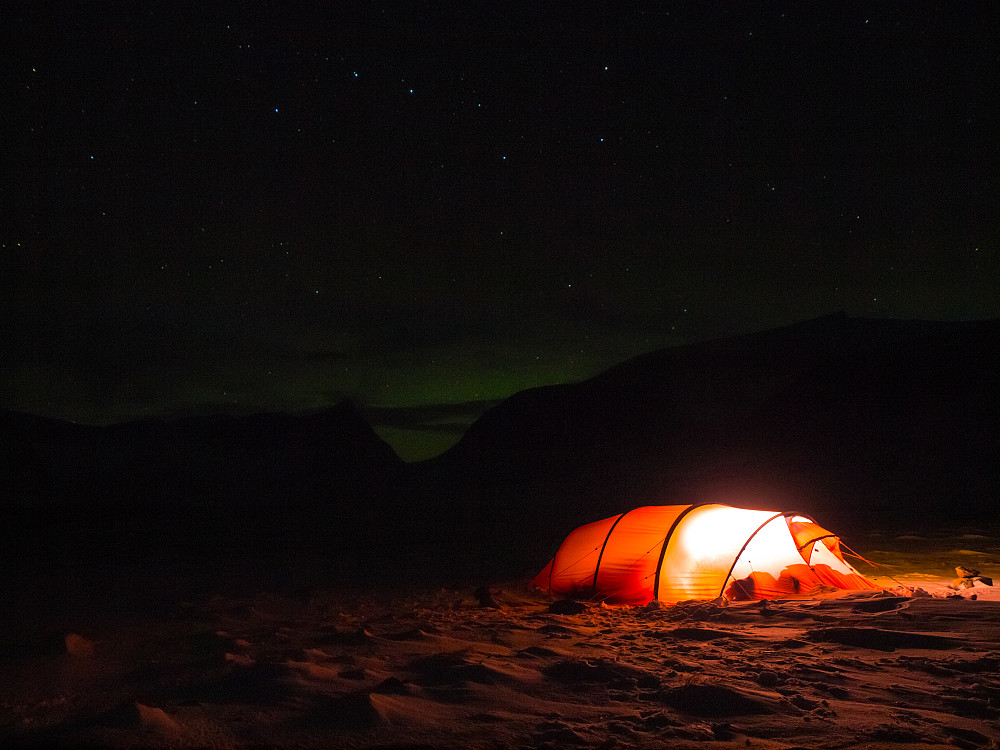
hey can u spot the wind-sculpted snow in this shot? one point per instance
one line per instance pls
(434, 668)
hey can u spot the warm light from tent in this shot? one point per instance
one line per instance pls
(773, 564)
(700, 552)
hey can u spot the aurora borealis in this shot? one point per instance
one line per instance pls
(428, 209)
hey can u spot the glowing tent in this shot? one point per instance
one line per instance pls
(678, 552)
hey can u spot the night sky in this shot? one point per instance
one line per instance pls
(277, 205)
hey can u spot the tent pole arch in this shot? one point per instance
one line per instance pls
(666, 540)
(736, 559)
(831, 535)
(552, 563)
(604, 546)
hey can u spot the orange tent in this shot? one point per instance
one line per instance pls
(678, 552)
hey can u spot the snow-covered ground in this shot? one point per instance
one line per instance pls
(915, 664)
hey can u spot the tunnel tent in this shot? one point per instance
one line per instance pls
(675, 553)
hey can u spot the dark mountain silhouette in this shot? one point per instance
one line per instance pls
(255, 459)
(846, 419)
(839, 417)
(200, 484)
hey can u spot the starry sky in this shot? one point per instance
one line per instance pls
(428, 207)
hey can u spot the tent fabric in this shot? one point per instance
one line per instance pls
(679, 552)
